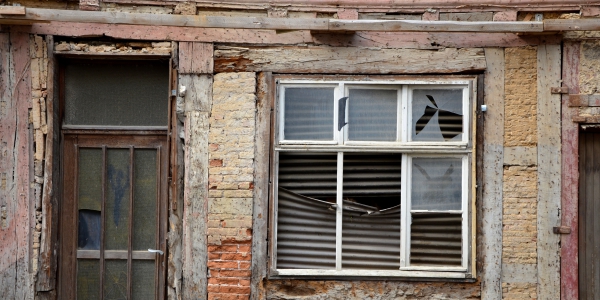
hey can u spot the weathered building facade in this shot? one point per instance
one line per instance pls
(284, 150)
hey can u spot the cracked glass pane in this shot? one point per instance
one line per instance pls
(437, 115)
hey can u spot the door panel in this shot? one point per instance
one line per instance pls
(589, 214)
(114, 211)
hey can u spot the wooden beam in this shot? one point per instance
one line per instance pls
(345, 60)
(12, 10)
(569, 267)
(195, 58)
(571, 24)
(434, 26)
(549, 170)
(493, 171)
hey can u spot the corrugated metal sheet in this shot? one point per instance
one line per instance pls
(435, 239)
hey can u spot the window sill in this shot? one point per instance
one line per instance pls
(372, 275)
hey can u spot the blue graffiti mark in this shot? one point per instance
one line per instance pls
(119, 182)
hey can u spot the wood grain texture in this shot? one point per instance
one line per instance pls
(347, 60)
(15, 279)
(439, 26)
(491, 230)
(571, 24)
(260, 213)
(198, 89)
(195, 58)
(12, 10)
(413, 40)
(549, 170)
(570, 176)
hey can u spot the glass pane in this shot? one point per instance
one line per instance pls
(108, 93)
(115, 279)
(142, 279)
(144, 199)
(308, 114)
(90, 179)
(117, 199)
(90, 228)
(436, 184)
(437, 115)
(88, 279)
(372, 115)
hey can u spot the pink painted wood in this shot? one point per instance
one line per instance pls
(570, 176)
(347, 14)
(195, 58)
(414, 40)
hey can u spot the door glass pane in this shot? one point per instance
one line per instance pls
(108, 93)
(436, 184)
(437, 115)
(308, 114)
(90, 198)
(117, 199)
(143, 283)
(144, 199)
(372, 115)
(115, 279)
(88, 279)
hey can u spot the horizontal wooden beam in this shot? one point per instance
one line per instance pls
(12, 10)
(571, 24)
(347, 60)
(434, 26)
(315, 24)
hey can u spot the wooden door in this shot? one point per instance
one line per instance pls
(113, 216)
(589, 214)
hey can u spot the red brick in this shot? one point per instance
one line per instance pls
(213, 288)
(244, 265)
(230, 289)
(214, 256)
(223, 264)
(224, 280)
(235, 256)
(244, 248)
(235, 273)
(216, 163)
(213, 147)
(244, 282)
(222, 248)
(220, 296)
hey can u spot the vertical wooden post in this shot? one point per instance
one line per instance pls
(491, 230)
(549, 167)
(569, 268)
(195, 68)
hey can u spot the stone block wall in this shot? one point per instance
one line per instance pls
(520, 181)
(230, 184)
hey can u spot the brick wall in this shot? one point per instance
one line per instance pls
(519, 218)
(231, 172)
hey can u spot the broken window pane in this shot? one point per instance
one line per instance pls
(90, 230)
(308, 114)
(437, 115)
(115, 279)
(107, 93)
(436, 183)
(306, 212)
(372, 115)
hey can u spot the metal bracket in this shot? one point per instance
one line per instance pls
(562, 230)
(559, 90)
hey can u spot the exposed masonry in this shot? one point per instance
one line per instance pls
(115, 48)
(231, 171)
(38, 117)
(519, 217)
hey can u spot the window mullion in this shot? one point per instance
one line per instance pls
(339, 211)
(404, 212)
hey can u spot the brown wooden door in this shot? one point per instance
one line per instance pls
(113, 216)
(589, 214)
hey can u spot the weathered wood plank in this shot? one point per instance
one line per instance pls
(415, 40)
(570, 176)
(549, 168)
(444, 26)
(195, 58)
(571, 24)
(491, 230)
(260, 211)
(15, 279)
(198, 89)
(12, 10)
(347, 60)
(46, 280)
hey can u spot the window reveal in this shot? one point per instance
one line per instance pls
(372, 177)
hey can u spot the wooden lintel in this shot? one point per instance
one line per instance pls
(12, 10)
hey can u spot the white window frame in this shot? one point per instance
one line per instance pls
(463, 149)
